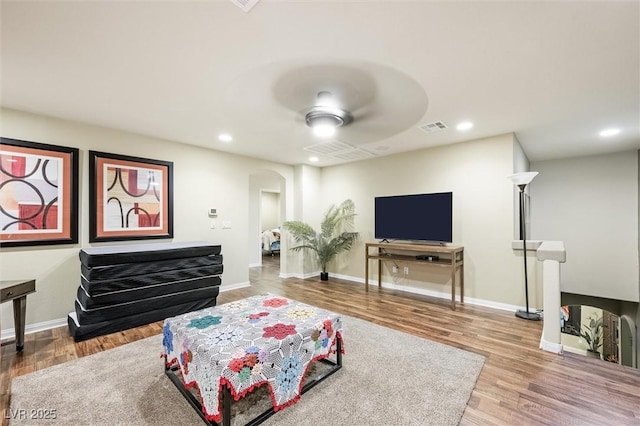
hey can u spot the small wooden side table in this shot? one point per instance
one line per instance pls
(17, 291)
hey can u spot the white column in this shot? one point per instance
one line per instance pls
(551, 253)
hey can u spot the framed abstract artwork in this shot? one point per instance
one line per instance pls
(130, 198)
(38, 194)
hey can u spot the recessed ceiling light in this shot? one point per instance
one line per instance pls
(313, 159)
(225, 137)
(609, 132)
(465, 125)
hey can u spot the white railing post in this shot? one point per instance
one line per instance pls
(551, 254)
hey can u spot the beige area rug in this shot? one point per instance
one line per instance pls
(387, 378)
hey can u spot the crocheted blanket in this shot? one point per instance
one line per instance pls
(247, 343)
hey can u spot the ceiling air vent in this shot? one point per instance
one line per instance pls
(436, 126)
(339, 150)
(352, 155)
(329, 147)
(245, 5)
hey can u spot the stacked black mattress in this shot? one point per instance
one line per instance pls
(126, 286)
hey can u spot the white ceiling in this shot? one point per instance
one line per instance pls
(555, 73)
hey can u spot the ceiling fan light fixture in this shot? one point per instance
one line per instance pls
(324, 130)
(325, 120)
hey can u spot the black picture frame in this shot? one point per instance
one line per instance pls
(48, 175)
(120, 209)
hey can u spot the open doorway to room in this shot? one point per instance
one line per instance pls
(270, 224)
(267, 212)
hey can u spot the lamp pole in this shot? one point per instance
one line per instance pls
(521, 180)
(533, 316)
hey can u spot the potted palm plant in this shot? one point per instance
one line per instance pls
(592, 334)
(336, 234)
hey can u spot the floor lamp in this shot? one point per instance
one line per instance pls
(521, 180)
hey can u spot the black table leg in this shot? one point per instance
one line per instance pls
(226, 406)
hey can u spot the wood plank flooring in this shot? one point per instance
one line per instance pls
(519, 384)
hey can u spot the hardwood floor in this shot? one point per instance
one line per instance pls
(519, 384)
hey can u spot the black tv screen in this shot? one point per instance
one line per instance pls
(423, 217)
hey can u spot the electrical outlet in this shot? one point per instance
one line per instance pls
(406, 270)
(395, 269)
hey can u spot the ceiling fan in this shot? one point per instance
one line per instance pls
(359, 103)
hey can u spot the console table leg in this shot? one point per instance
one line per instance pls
(462, 284)
(19, 313)
(453, 287)
(366, 268)
(453, 284)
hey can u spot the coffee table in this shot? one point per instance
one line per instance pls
(227, 351)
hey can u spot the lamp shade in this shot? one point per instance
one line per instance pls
(523, 178)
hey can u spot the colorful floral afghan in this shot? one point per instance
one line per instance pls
(247, 343)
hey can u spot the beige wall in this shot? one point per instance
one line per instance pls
(483, 212)
(270, 210)
(308, 206)
(203, 178)
(591, 203)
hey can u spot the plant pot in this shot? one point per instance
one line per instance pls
(593, 354)
(324, 276)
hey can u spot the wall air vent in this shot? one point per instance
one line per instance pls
(436, 126)
(339, 150)
(245, 5)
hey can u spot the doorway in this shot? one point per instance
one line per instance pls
(267, 211)
(270, 225)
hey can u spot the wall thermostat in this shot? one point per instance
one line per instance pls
(213, 212)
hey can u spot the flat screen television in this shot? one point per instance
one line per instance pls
(419, 217)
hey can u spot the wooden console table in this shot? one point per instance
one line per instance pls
(17, 291)
(449, 257)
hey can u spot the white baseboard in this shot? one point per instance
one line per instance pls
(498, 305)
(346, 277)
(300, 276)
(10, 333)
(255, 265)
(575, 350)
(235, 286)
(436, 294)
(556, 348)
